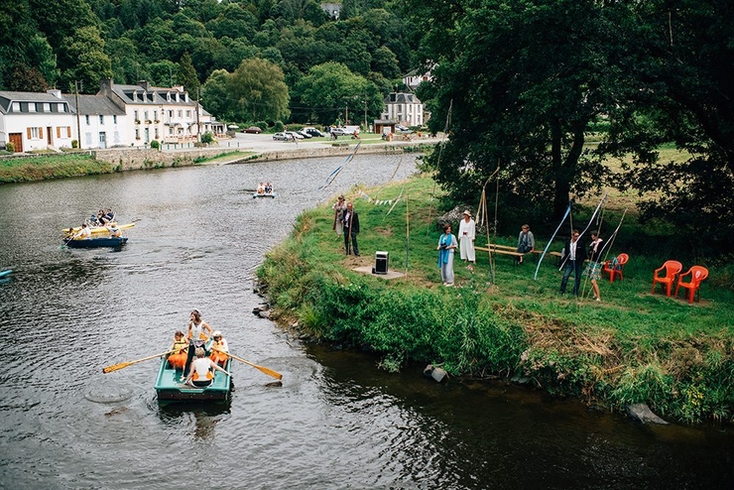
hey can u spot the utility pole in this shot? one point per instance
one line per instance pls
(346, 114)
(365, 113)
(198, 122)
(78, 124)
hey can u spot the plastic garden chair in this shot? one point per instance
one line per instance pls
(698, 274)
(614, 267)
(672, 268)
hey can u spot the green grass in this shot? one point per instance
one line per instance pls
(633, 346)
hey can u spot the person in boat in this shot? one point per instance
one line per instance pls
(268, 188)
(218, 348)
(198, 334)
(177, 358)
(261, 188)
(202, 370)
(114, 231)
(83, 234)
(102, 217)
(109, 215)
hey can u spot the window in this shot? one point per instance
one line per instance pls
(170, 114)
(137, 118)
(46, 107)
(86, 119)
(61, 107)
(188, 114)
(34, 133)
(180, 113)
(63, 131)
(137, 134)
(101, 119)
(16, 106)
(146, 116)
(156, 132)
(31, 107)
(155, 115)
(114, 119)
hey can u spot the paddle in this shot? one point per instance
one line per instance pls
(117, 367)
(265, 370)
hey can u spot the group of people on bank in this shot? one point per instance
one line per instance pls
(574, 254)
(199, 352)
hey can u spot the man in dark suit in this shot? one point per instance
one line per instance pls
(351, 228)
(574, 254)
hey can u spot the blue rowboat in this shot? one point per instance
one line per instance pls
(97, 242)
(270, 194)
(6, 273)
(169, 387)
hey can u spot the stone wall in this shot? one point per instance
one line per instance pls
(138, 158)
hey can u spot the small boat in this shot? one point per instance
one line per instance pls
(5, 273)
(97, 242)
(169, 387)
(268, 194)
(99, 229)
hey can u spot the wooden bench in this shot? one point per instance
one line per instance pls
(507, 250)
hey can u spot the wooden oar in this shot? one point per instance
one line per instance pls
(117, 367)
(265, 370)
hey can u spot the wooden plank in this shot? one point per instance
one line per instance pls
(499, 251)
(507, 250)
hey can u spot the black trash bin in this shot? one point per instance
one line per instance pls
(381, 259)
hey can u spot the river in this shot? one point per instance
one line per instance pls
(335, 422)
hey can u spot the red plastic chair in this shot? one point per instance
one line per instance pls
(672, 268)
(614, 267)
(698, 274)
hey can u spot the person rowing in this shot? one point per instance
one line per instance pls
(198, 333)
(202, 370)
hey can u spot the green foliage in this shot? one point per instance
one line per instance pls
(187, 75)
(207, 138)
(155, 144)
(50, 167)
(10, 147)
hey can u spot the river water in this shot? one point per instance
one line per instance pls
(335, 422)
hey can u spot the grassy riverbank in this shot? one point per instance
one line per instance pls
(29, 169)
(631, 347)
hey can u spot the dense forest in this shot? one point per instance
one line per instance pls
(557, 98)
(247, 60)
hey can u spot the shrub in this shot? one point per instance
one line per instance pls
(9, 146)
(207, 138)
(74, 144)
(155, 145)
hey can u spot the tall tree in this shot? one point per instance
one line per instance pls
(520, 86)
(87, 61)
(259, 91)
(187, 75)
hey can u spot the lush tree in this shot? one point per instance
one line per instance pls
(258, 90)
(89, 64)
(187, 75)
(215, 97)
(332, 92)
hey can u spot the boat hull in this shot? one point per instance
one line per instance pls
(97, 242)
(169, 387)
(272, 194)
(5, 273)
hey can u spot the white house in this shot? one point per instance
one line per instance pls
(415, 78)
(102, 124)
(155, 113)
(36, 121)
(405, 109)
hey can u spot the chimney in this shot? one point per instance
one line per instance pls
(55, 92)
(144, 84)
(105, 87)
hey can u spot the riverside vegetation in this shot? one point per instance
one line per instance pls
(633, 347)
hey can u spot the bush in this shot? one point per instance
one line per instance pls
(74, 144)
(207, 138)
(278, 126)
(9, 146)
(155, 145)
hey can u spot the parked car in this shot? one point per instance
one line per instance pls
(293, 135)
(339, 132)
(314, 132)
(281, 137)
(304, 134)
(401, 128)
(252, 130)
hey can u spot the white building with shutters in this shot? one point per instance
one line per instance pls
(36, 121)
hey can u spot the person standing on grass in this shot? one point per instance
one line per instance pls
(467, 234)
(339, 207)
(572, 258)
(446, 246)
(351, 228)
(593, 269)
(525, 242)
